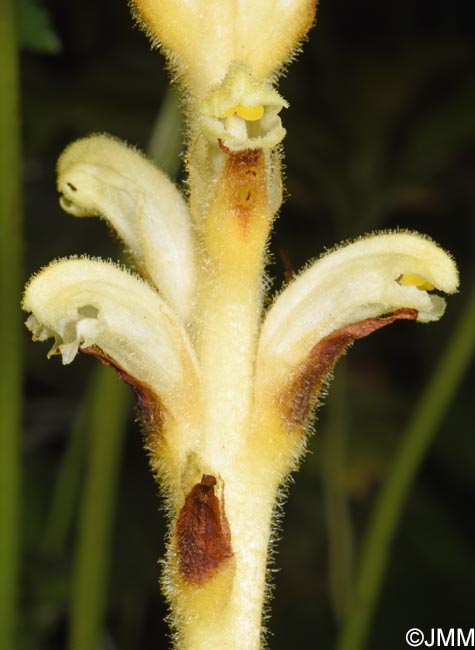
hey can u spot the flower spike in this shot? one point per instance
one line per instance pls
(227, 391)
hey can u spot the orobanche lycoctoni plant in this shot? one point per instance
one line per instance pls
(226, 391)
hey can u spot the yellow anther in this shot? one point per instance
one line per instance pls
(411, 280)
(248, 113)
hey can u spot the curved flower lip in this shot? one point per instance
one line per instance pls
(242, 112)
(101, 176)
(84, 303)
(356, 282)
(202, 37)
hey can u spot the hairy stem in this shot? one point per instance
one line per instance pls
(221, 606)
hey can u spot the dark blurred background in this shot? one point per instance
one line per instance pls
(381, 134)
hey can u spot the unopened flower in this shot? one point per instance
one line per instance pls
(202, 38)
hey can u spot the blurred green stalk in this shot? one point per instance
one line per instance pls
(166, 142)
(109, 410)
(65, 495)
(337, 515)
(423, 426)
(10, 339)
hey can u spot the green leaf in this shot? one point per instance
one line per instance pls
(36, 30)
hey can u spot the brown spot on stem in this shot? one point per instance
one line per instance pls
(148, 403)
(244, 175)
(202, 533)
(301, 396)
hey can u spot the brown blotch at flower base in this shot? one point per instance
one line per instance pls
(148, 403)
(301, 396)
(202, 533)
